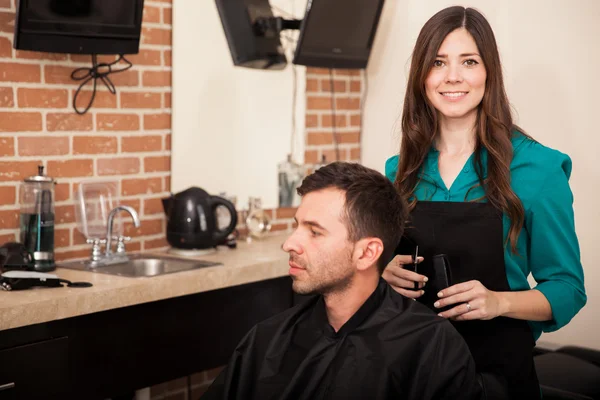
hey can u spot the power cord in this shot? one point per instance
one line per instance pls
(98, 71)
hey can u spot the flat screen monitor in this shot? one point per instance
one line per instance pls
(247, 47)
(338, 33)
(79, 26)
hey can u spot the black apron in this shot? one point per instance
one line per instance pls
(471, 235)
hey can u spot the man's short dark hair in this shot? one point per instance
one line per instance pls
(373, 206)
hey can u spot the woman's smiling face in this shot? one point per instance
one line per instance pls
(456, 82)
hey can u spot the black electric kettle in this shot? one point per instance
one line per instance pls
(192, 221)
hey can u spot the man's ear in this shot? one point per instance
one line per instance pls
(367, 252)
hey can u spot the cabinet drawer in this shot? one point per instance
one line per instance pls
(35, 371)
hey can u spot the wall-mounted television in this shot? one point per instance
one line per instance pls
(79, 26)
(248, 47)
(338, 33)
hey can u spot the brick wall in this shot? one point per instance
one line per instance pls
(347, 87)
(124, 137)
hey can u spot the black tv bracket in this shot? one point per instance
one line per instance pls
(272, 26)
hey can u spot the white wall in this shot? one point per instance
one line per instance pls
(231, 125)
(550, 53)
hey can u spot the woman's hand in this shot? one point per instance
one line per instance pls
(403, 280)
(474, 301)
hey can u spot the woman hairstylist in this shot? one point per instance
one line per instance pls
(487, 195)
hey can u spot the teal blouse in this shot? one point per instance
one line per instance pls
(547, 246)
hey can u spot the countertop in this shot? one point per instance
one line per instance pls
(250, 262)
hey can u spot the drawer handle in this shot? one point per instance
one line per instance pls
(7, 386)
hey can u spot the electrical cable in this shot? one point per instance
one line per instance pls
(97, 71)
(333, 121)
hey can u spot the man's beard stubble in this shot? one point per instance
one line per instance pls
(337, 281)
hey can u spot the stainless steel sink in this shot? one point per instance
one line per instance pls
(142, 265)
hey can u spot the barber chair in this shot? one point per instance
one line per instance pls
(569, 373)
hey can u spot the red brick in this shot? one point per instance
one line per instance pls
(156, 78)
(318, 103)
(140, 100)
(355, 154)
(355, 86)
(167, 185)
(69, 122)
(59, 74)
(7, 98)
(147, 227)
(42, 98)
(103, 99)
(285, 212)
(348, 137)
(355, 120)
(62, 237)
(312, 85)
(78, 238)
(132, 144)
(319, 71)
(130, 187)
(43, 145)
(151, 14)
(65, 255)
(118, 166)
(319, 138)
(9, 219)
(133, 203)
(6, 3)
(167, 15)
(156, 36)
(95, 144)
(338, 86)
(70, 168)
(8, 195)
(126, 78)
(311, 120)
(340, 121)
(346, 72)
(153, 206)
(155, 243)
(168, 58)
(7, 146)
(20, 121)
(330, 155)
(101, 59)
(118, 122)
(311, 157)
(62, 191)
(5, 47)
(36, 55)
(346, 103)
(145, 57)
(168, 142)
(157, 164)
(167, 103)
(8, 237)
(17, 170)
(157, 121)
(7, 21)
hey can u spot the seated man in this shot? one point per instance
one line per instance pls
(358, 338)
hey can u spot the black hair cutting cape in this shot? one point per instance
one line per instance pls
(392, 348)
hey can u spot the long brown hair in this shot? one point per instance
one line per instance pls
(494, 124)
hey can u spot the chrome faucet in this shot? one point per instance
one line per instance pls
(109, 257)
(109, 229)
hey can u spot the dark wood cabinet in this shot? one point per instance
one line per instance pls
(35, 371)
(106, 354)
